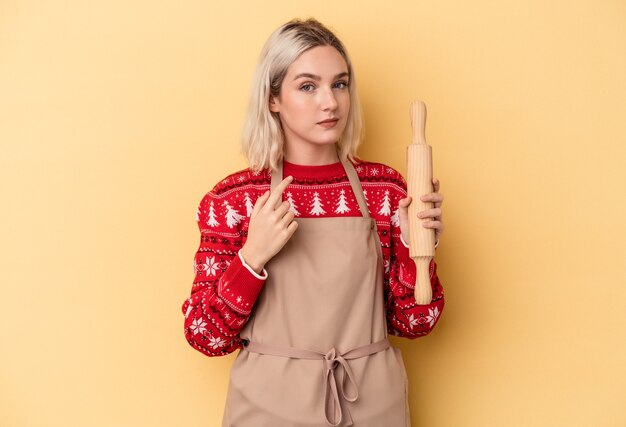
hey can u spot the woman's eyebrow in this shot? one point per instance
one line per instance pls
(318, 78)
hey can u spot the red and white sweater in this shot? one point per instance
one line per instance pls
(225, 288)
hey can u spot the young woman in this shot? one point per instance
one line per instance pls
(303, 261)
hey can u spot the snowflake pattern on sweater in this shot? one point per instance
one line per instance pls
(225, 288)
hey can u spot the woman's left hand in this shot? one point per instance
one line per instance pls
(431, 218)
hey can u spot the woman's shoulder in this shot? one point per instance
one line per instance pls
(237, 187)
(376, 172)
(231, 199)
(240, 180)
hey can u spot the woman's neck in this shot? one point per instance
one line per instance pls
(319, 156)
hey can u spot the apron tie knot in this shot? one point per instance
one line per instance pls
(332, 361)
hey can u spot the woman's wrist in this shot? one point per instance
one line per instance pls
(251, 260)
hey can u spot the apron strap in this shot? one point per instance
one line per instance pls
(335, 388)
(356, 187)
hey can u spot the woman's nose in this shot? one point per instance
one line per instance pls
(328, 101)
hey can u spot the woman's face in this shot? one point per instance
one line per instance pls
(314, 89)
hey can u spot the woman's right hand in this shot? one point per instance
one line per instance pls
(271, 226)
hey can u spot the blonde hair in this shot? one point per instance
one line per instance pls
(262, 139)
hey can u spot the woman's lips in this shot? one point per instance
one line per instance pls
(327, 124)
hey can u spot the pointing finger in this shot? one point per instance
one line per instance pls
(276, 198)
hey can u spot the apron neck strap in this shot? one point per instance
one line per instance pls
(277, 177)
(356, 187)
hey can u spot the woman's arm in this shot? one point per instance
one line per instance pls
(405, 317)
(225, 288)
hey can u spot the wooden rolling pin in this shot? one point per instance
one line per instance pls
(420, 182)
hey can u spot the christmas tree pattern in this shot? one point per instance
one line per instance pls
(385, 207)
(292, 204)
(249, 204)
(212, 222)
(395, 218)
(342, 207)
(365, 196)
(317, 205)
(232, 216)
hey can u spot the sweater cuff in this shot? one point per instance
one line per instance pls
(254, 273)
(240, 285)
(402, 252)
(403, 255)
(406, 245)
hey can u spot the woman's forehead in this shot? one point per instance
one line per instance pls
(321, 62)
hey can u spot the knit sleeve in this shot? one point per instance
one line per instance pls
(225, 288)
(405, 317)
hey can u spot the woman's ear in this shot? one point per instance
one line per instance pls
(273, 105)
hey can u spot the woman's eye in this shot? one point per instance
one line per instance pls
(341, 85)
(305, 87)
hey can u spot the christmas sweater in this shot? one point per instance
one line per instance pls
(225, 288)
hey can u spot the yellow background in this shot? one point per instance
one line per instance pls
(117, 117)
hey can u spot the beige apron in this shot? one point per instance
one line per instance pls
(316, 351)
